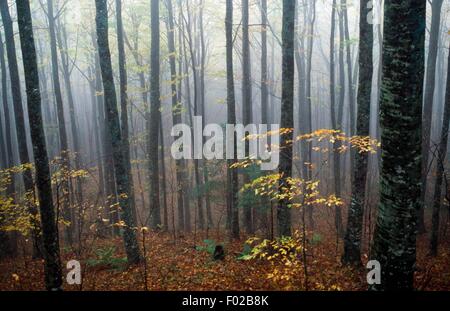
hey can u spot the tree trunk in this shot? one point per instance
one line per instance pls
(337, 144)
(430, 78)
(394, 243)
(247, 110)
(65, 157)
(307, 127)
(232, 176)
(442, 152)
(163, 177)
(113, 123)
(53, 278)
(124, 103)
(198, 181)
(6, 145)
(155, 212)
(19, 116)
(287, 114)
(203, 113)
(352, 242)
(61, 37)
(176, 113)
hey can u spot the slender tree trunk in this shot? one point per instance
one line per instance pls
(163, 177)
(107, 154)
(19, 116)
(187, 212)
(442, 152)
(65, 157)
(6, 145)
(352, 242)
(247, 110)
(232, 176)
(203, 113)
(430, 78)
(337, 144)
(394, 243)
(155, 213)
(351, 87)
(307, 146)
(176, 112)
(61, 37)
(97, 134)
(53, 278)
(263, 210)
(287, 114)
(198, 181)
(112, 120)
(124, 103)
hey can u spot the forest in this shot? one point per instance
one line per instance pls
(212, 145)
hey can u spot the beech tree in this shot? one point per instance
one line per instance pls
(113, 125)
(53, 277)
(232, 176)
(19, 116)
(352, 247)
(394, 242)
(287, 112)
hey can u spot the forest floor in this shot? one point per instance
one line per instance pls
(175, 264)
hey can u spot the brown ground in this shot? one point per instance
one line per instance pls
(177, 265)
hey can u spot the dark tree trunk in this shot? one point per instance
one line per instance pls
(19, 116)
(352, 242)
(53, 278)
(155, 212)
(337, 144)
(68, 230)
(442, 152)
(247, 109)
(287, 114)
(113, 123)
(163, 177)
(232, 176)
(335, 119)
(203, 113)
(6, 145)
(176, 113)
(394, 243)
(106, 147)
(97, 134)
(307, 126)
(198, 179)
(61, 37)
(430, 80)
(264, 74)
(262, 211)
(124, 103)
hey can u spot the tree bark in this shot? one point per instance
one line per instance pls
(124, 103)
(19, 116)
(52, 263)
(232, 176)
(113, 123)
(352, 241)
(287, 112)
(441, 155)
(394, 243)
(430, 79)
(6, 145)
(247, 109)
(65, 157)
(155, 212)
(176, 113)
